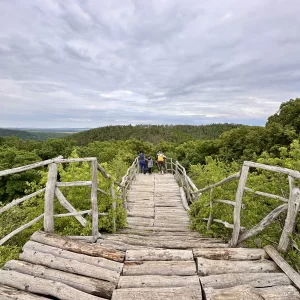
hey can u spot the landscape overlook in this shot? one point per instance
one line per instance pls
(149, 150)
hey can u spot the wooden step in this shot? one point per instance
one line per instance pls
(231, 253)
(178, 293)
(8, 293)
(214, 267)
(159, 255)
(88, 285)
(254, 279)
(167, 268)
(247, 292)
(157, 281)
(96, 261)
(42, 286)
(162, 229)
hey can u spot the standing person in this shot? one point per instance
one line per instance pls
(150, 165)
(142, 162)
(160, 159)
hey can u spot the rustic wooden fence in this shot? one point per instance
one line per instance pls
(52, 189)
(240, 234)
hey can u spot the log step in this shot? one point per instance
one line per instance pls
(159, 255)
(178, 293)
(42, 286)
(247, 292)
(8, 293)
(254, 279)
(231, 253)
(214, 267)
(88, 285)
(167, 268)
(157, 281)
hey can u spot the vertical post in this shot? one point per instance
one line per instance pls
(49, 198)
(211, 204)
(187, 187)
(176, 168)
(94, 199)
(290, 221)
(237, 208)
(124, 198)
(114, 205)
(172, 171)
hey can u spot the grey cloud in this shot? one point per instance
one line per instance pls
(94, 63)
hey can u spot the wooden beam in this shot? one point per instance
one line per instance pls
(227, 179)
(266, 195)
(20, 200)
(290, 221)
(49, 198)
(74, 214)
(68, 206)
(290, 172)
(70, 160)
(94, 200)
(27, 167)
(238, 205)
(183, 199)
(283, 265)
(266, 221)
(74, 183)
(16, 231)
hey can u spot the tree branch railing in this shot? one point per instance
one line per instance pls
(239, 233)
(52, 189)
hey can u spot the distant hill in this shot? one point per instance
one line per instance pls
(34, 135)
(153, 133)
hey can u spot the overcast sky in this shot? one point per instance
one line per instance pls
(91, 63)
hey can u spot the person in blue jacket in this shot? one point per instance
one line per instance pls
(142, 162)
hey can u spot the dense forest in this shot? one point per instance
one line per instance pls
(153, 133)
(209, 153)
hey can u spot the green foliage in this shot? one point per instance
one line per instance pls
(33, 135)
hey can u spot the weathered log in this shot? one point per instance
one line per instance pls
(266, 221)
(28, 167)
(16, 231)
(75, 214)
(70, 160)
(156, 255)
(8, 293)
(77, 246)
(178, 293)
(214, 267)
(231, 253)
(290, 172)
(237, 208)
(284, 266)
(42, 286)
(266, 195)
(74, 183)
(69, 265)
(247, 292)
(20, 200)
(92, 260)
(168, 268)
(290, 221)
(254, 279)
(49, 198)
(157, 281)
(94, 199)
(183, 199)
(88, 285)
(68, 206)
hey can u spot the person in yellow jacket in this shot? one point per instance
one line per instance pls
(160, 160)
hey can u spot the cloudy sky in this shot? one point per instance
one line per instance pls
(91, 63)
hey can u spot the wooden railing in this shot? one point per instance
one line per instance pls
(240, 234)
(53, 189)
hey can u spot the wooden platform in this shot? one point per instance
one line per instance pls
(156, 257)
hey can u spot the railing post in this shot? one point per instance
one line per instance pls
(94, 200)
(210, 218)
(114, 205)
(172, 170)
(49, 198)
(290, 221)
(124, 198)
(237, 208)
(176, 168)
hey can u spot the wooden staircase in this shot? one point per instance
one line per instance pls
(155, 257)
